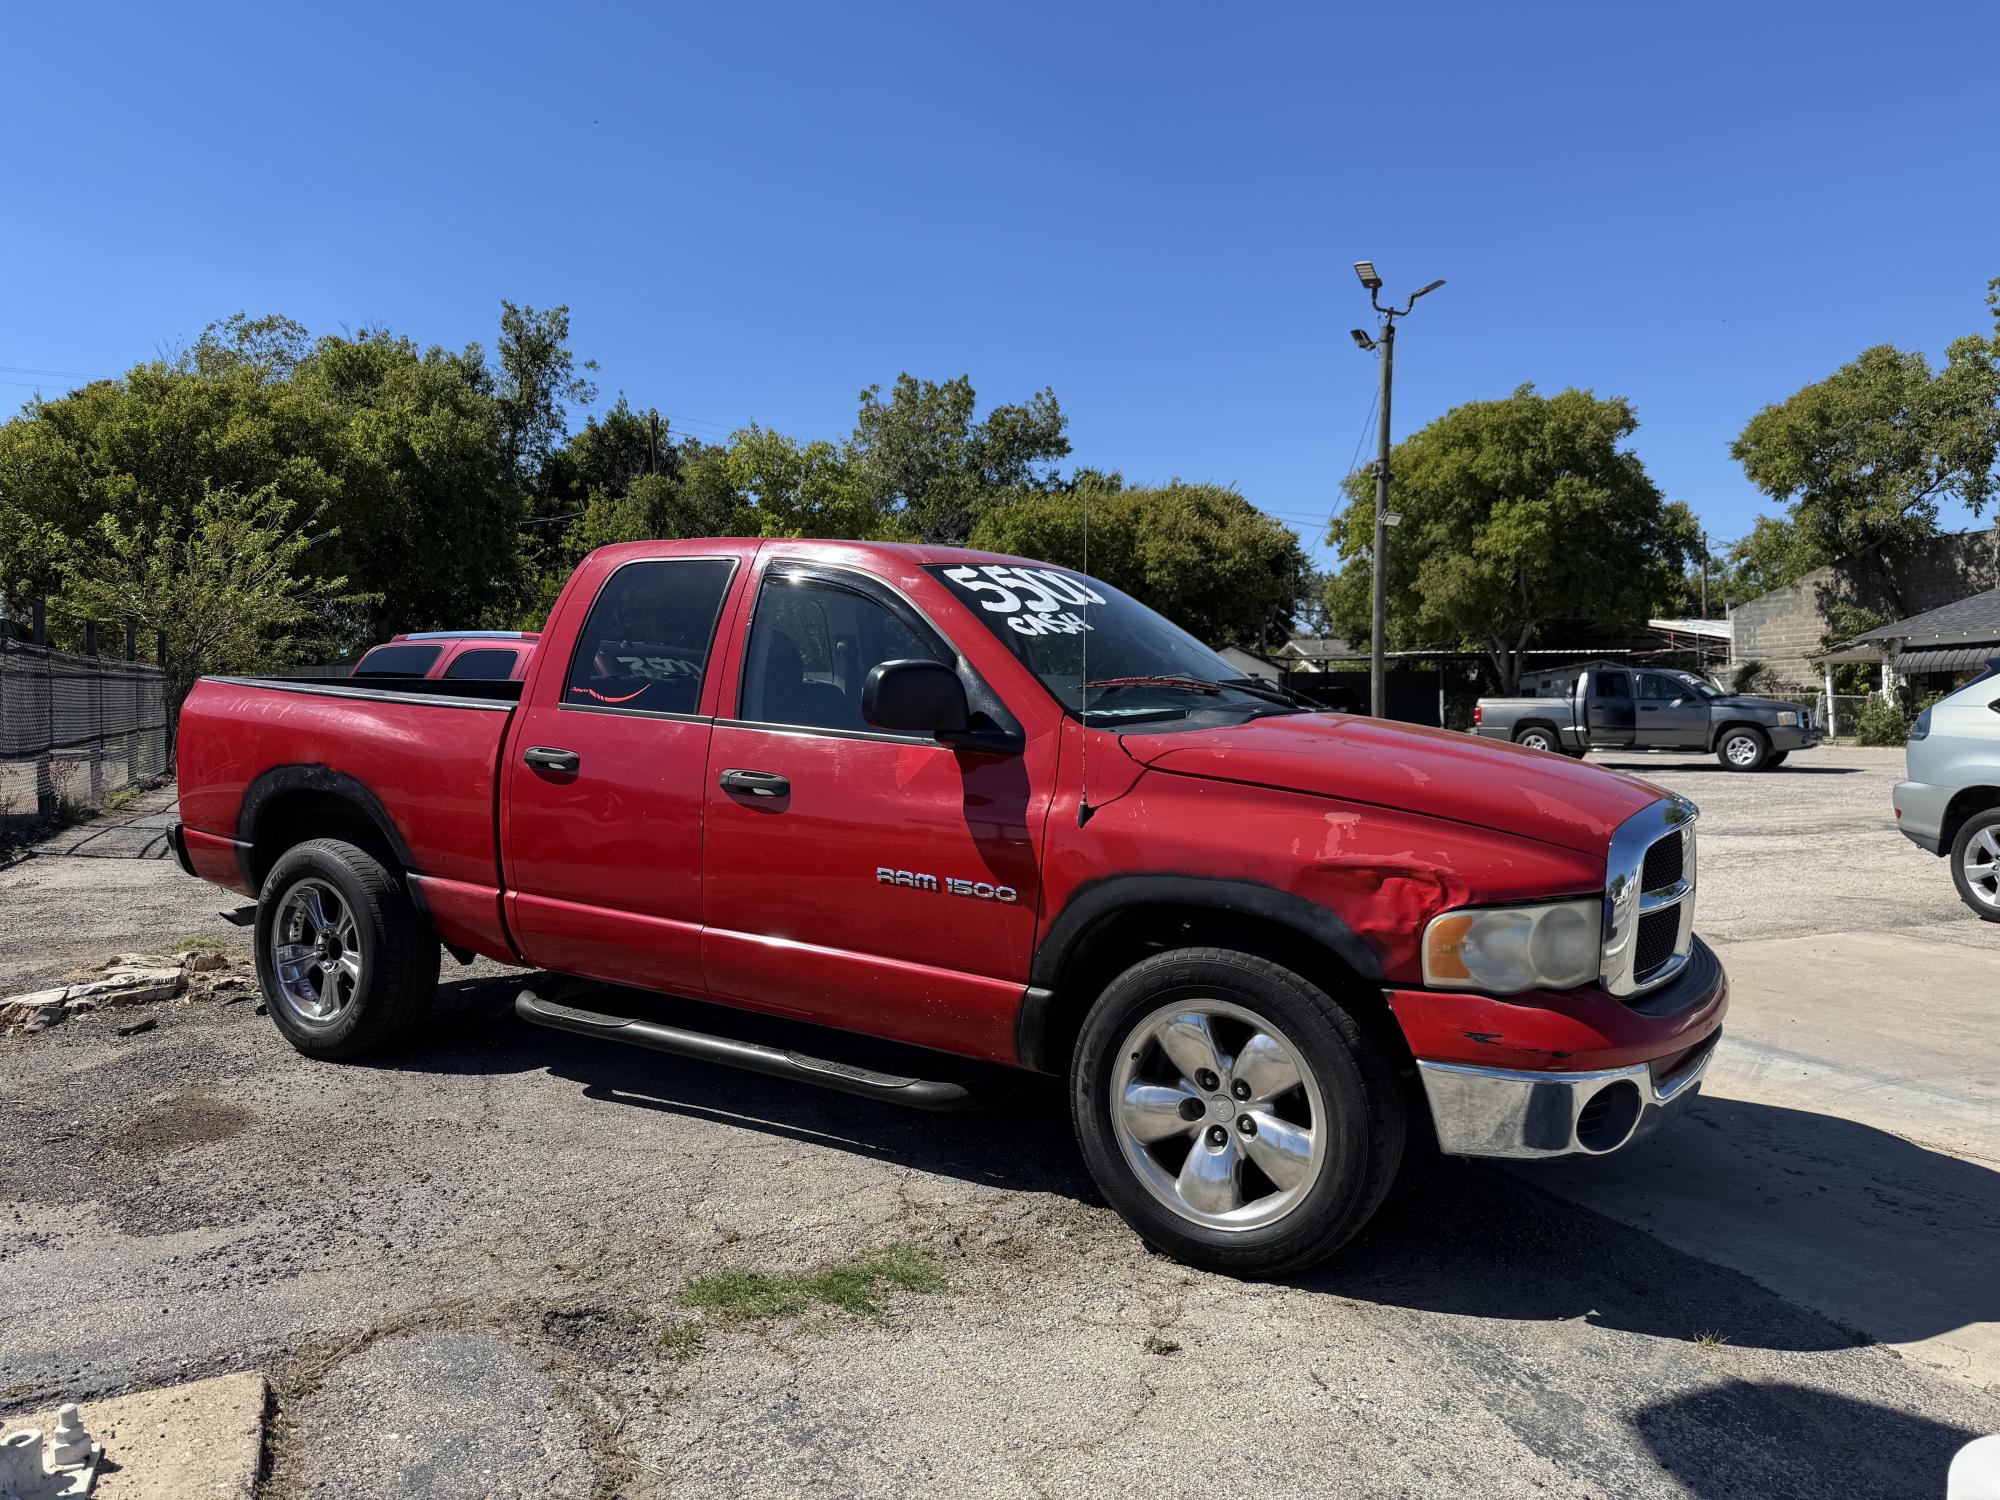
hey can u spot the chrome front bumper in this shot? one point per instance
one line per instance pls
(1511, 1113)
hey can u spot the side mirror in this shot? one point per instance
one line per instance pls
(915, 697)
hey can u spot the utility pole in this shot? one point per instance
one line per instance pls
(1384, 517)
(1704, 575)
(653, 442)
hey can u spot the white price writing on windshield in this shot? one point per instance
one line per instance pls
(1037, 601)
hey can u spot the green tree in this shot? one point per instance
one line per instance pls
(537, 381)
(428, 517)
(1200, 554)
(230, 584)
(1865, 456)
(1515, 514)
(920, 454)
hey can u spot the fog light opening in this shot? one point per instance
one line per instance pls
(1609, 1118)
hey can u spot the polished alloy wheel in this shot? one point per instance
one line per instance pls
(1741, 750)
(1217, 1114)
(1982, 866)
(1534, 739)
(316, 951)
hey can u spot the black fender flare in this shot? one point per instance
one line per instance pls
(277, 781)
(1523, 725)
(1715, 735)
(1099, 900)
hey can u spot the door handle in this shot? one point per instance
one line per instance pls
(1649, 708)
(756, 783)
(548, 758)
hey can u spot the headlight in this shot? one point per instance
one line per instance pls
(1507, 949)
(1787, 719)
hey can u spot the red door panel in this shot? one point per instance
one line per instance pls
(604, 858)
(891, 890)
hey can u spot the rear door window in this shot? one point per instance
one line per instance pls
(483, 664)
(398, 661)
(645, 646)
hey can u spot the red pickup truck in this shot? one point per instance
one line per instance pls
(996, 809)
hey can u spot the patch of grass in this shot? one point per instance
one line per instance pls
(856, 1287)
(1709, 1338)
(683, 1340)
(197, 943)
(125, 796)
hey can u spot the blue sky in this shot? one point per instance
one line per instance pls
(755, 210)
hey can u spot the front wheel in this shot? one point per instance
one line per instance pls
(1744, 749)
(1236, 1116)
(346, 961)
(1975, 863)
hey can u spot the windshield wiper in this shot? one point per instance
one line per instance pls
(1259, 689)
(1188, 684)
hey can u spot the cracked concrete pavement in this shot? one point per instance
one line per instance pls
(481, 1241)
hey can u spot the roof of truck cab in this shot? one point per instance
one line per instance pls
(914, 554)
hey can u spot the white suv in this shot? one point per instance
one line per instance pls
(1951, 803)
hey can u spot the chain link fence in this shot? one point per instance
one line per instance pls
(74, 729)
(1839, 712)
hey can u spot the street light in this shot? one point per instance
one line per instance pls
(1384, 518)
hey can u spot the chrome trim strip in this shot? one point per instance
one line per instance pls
(1625, 902)
(337, 688)
(1522, 1116)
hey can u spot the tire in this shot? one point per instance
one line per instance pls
(1777, 759)
(1537, 738)
(1975, 864)
(1743, 749)
(1346, 1105)
(359, 990)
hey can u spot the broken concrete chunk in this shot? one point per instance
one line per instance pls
(132, 988)
(69, 1443)
(201, 960)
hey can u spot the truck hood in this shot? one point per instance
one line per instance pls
(1531, 794)
(1749, 702)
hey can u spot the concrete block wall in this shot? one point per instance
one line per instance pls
(1783, 628)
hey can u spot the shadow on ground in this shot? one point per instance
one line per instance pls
(1644, 764)
(1456, 1237)
(1790, 1442)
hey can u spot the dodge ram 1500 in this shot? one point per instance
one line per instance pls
(993, 808)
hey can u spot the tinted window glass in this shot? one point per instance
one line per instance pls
(645, 645)
(1665, 689)
(397, 661)
(483, 664)
(813, 644)
(1611, 685)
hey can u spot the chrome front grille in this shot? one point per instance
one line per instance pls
(1649, 897)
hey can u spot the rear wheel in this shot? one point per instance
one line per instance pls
(1535, 737)
(1743, 749)
(346, 961)
(1237, 1116)
(1975, 863)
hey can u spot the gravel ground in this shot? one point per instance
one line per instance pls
(485, 1243)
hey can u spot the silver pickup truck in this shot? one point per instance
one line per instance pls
(1627, 708)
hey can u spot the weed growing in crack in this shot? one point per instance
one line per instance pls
(855, 1287)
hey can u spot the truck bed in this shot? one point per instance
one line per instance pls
(425, 756)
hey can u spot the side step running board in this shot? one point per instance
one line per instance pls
(916, 1093)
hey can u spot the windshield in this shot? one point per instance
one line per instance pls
(1143, 668)
(1702, 688)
